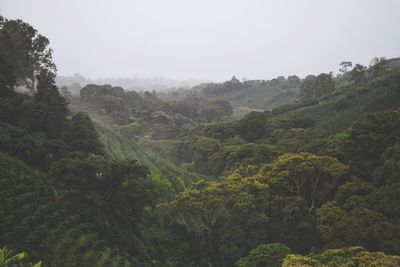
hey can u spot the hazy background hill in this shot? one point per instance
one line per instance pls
(77, 81)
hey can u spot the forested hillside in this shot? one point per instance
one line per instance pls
(310, 177)
(244, 96)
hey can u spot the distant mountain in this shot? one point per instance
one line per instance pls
(77, 81)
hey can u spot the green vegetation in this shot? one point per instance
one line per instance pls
(251, 94)
(170, 178)
(339, 109)
(352, 256)
(118, 178)
(265, 255)
(8, 259)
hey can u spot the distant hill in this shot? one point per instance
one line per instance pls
(338, 110)
(244, 96)
(77, 81)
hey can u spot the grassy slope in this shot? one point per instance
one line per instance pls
(171, 178)
(260, 97)
(257, 97)
(338, 111)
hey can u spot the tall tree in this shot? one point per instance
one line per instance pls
(305, 175)
(358, 74)
(316, 86)
(24, 54)
(81, 135)
(49, 109)
(344, 66)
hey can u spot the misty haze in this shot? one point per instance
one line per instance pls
(199, 133)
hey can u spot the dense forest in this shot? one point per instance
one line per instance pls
(283, 172)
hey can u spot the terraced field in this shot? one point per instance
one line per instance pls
(171, 178)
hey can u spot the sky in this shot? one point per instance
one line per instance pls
(211, 39)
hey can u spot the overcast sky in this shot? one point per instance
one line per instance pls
(211, 39)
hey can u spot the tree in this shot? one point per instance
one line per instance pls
(87, 181)
(65, 92)
(221, 221)
(307, 86)
(347, 256)
(305, 175)
(368, 140)
(316, 86)
(214, 109)
(344, 66)
(100, 90)
(81, 135)
(215, 216)
(358, 74)
(270, 255)
(294, 80)
(360, 226)
(253, 126)
(389, 169)
(49, 110)
(386, 200)
(376, 67)
(24, 54)
(325, 84)
(327, 215)
(109, 196)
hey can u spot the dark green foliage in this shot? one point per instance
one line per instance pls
(316, 86)
(252, 127)
(49, 109)
(258, 138)
(358, 74)
(214, 109)
(389, 170)
(218, 89)
(34, 149)
(300, 122)
(367, 141)
(347, 256)
(13, 107)
(98, 90)
(386, 200)
(34, 220)
(86, 181)
(24, 53)
(199, 108)
(363, 227)
(81, 135)
(270, 255)
(198, 149)
(221, 131)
